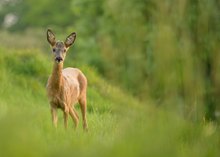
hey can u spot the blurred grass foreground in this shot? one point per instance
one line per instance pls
(153, 70)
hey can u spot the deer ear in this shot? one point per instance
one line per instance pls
(70, 39)
(51, 37)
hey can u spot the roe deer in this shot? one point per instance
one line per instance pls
(65, 87)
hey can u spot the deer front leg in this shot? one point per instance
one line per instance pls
(54, 115)
(65, 116)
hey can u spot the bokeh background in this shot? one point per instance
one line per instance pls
(153, 68)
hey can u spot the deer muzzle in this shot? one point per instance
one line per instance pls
(58, 59)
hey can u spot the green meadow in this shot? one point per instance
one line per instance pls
(153, 70)
(119, 125)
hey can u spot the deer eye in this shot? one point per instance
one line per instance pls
(64, 50)
(54, 49)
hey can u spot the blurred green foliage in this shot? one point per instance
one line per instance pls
(165, 51)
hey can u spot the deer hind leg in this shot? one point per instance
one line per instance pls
(74, 116)
(82, 103)
(75, 112)
(54, 115)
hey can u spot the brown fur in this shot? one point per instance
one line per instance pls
(66, 87)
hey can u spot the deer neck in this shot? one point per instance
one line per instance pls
(57, 76)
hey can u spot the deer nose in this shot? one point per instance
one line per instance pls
(58, 59)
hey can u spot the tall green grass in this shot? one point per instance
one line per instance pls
(119, 125)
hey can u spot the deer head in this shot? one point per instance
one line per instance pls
(59, 48)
